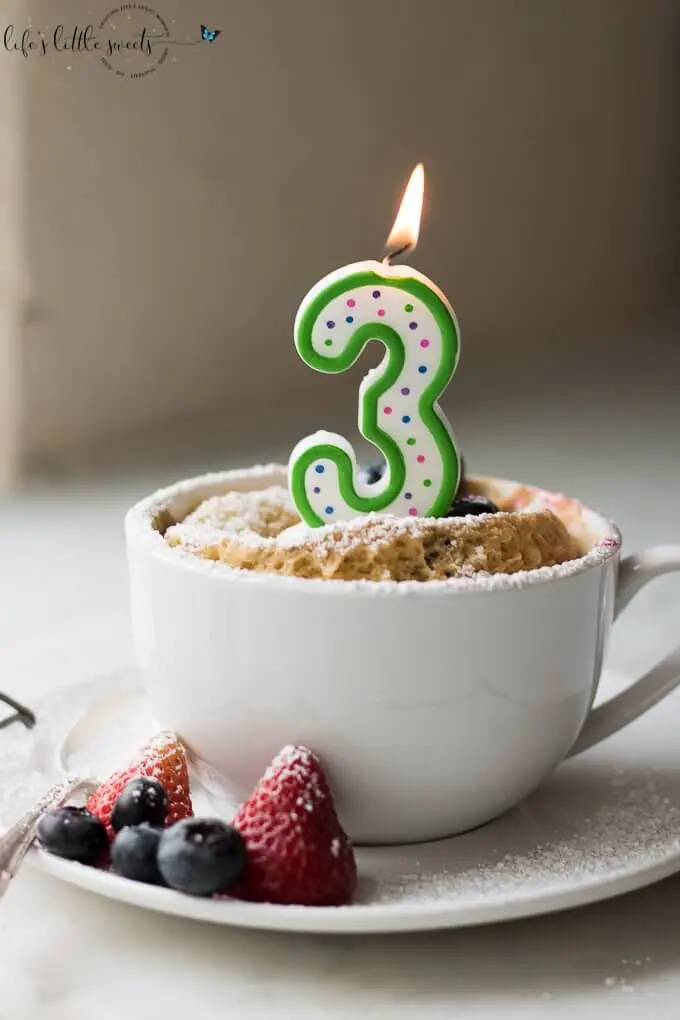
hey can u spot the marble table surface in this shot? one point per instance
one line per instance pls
(65, 955)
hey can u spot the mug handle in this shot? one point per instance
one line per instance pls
(634, 573)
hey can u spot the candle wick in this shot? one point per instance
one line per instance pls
(387, 259)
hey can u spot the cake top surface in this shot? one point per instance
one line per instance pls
(259, 531)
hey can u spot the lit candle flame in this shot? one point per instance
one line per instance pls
(404, 234)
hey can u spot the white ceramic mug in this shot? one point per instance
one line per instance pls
(435, 706)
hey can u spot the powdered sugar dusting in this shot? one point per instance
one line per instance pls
(373, 530)
(185, 495)
(261, 513)
(380, 547)
(635, 821)
(301, 764)
(293, 757)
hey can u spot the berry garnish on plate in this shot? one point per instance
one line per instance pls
(201, 856)
(472, 506)
(73, 833)
(163, 759)
(298, 853)
(142, 800)
(134, 853)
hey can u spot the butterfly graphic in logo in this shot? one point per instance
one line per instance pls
(209, 34)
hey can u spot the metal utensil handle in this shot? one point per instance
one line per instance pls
(16, 842)
(21, 714)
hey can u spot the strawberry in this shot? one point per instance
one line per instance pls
(164, 759)
(297, 850)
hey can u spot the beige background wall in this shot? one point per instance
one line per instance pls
(172, 224)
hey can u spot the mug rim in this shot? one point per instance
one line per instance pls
(141, 533)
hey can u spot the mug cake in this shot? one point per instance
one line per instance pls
(261, 531)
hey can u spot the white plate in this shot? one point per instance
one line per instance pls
(605, 824)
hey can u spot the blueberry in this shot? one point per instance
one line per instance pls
(201, 856)
(73, 833)
(133, 854)
(473, 505)
(142, 800)
(372, 473)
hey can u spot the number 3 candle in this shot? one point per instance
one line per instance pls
(398, 409)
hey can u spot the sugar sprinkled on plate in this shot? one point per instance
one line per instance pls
(624, 829)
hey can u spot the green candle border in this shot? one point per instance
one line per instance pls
(368, 405)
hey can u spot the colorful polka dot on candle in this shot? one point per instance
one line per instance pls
(405, 391)
(351, 302)
(328, 343)
(427, 482)
(350, 318)
(422, 369)
(319, 469)
(408, 495)
(413, 511)
(317, 490)
(408, 308)
(376, 293)
(424, 343)
(406, 418)
(328, 510)
(411, 441)
(413, 325)
(330, 324)
(388, 410)
(381, 312)
(420, 458)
